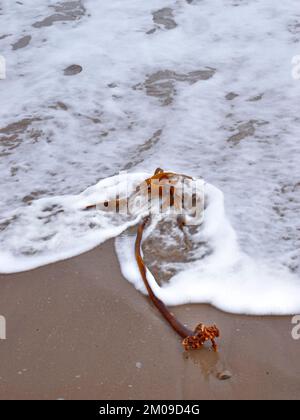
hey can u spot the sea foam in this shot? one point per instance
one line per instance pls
(208, 91)
(57, 228)
(227, 278)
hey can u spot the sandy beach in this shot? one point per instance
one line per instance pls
(78, 330)
(207, 91)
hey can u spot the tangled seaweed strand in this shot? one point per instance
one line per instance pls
(192, 340)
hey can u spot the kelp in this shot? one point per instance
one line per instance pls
(191, 340)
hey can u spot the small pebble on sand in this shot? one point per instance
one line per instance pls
(224, 376)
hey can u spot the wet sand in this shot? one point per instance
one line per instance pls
(78, 330)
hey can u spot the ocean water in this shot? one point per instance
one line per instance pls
(200, 87)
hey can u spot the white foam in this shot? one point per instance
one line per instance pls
(93, 124)
(226, 278)
(56, 228)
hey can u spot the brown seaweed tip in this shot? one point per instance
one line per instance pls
(202, 334)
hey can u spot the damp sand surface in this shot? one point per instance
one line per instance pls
(78, 330)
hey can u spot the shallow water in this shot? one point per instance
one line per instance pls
(199, 87)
